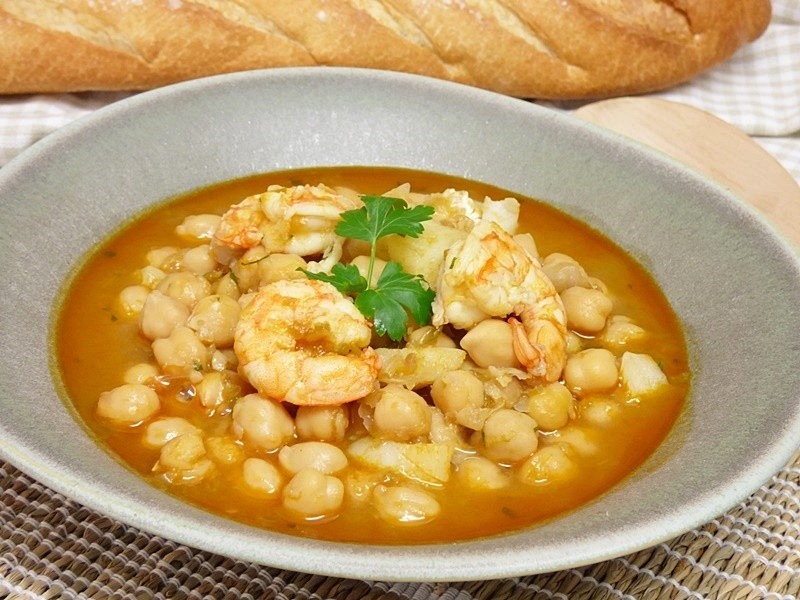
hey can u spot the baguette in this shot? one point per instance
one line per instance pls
(537, 49)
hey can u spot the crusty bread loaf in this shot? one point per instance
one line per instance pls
(547, 49)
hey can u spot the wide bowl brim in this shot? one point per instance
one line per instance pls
(731, 279)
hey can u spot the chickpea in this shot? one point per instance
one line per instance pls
(223, 450)
(262, 476)
(313, 494)
(444, 431)
(586, 309)
(224, 360)
(404, 504)
(489, 344)
(161, 314)
(277, 267)
(174, 262)
(551, 406)
(574, 343)
(599, 411)
(209, 391)
(401, 414)
(621, 331)
(214, 319)
(182, 351)
(183, 459)
(216, 389)
(263, 423)
(550, 464)
(599, 285)
(358, 485)
(140, 373)
(482, 474)
(197, 228)
(246, 269)
(323, 423)
(186, 287)
(565, 272)
(457, 390)
(132, 299)
(162, 430)
(150, 276)
(199, 260)
(509, 436)
(320, 456)
(592, 370)
(226, 286)
(182, 451)
(158, 256)
(128, 405)
(579, 439)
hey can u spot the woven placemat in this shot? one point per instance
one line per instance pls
(52, 547)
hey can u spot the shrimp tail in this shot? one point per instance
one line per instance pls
(538, 345)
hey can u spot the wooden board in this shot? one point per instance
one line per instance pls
(710, 145)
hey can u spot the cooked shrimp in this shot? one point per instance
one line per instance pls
(302, 341)
(458, 210)
(294, 220)
(490, 275)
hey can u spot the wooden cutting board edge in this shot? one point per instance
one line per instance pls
(711, 146)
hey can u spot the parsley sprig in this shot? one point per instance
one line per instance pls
(396, 294)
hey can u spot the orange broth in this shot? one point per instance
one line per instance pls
(95, 346)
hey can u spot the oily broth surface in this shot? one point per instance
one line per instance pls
(95, 346)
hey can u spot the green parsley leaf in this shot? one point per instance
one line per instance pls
(388, 316)
(382, 216)
(345, 278)
(396, 294)
(411, 291)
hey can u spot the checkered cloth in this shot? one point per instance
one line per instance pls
(758, 91)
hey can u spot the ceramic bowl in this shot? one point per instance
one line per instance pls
(734, 283)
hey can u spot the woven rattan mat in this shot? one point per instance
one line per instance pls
(52, 547)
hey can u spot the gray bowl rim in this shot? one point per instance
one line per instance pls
(496, 557)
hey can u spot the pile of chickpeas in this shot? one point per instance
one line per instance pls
(477, 420)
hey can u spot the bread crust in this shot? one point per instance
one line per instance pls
(545, 49)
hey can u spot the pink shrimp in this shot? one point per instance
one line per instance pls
(294, 220)
(304, 342)
(490, 275)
